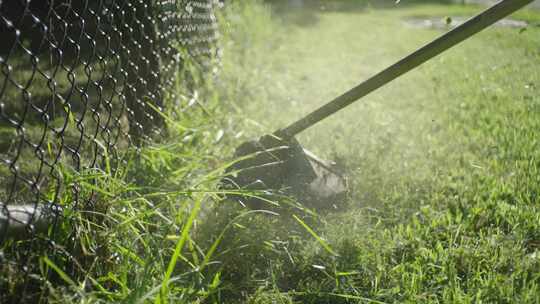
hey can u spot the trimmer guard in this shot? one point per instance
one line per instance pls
(278, 167)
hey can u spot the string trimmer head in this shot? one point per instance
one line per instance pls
(274, 166)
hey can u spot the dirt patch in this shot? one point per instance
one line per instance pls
(444, 23)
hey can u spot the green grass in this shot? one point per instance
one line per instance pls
(444, 167)
(443, 161)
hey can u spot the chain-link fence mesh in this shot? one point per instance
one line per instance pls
(80, 81)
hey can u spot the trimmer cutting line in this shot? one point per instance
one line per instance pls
(280, 164)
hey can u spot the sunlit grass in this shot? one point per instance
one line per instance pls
(443, 161)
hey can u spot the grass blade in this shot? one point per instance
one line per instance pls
(323, 243)
(177, 251)
(59, 271)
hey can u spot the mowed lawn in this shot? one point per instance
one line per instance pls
(444, 163)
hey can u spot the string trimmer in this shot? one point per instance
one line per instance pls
(277, 163)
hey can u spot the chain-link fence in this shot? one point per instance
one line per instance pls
(80, 81)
